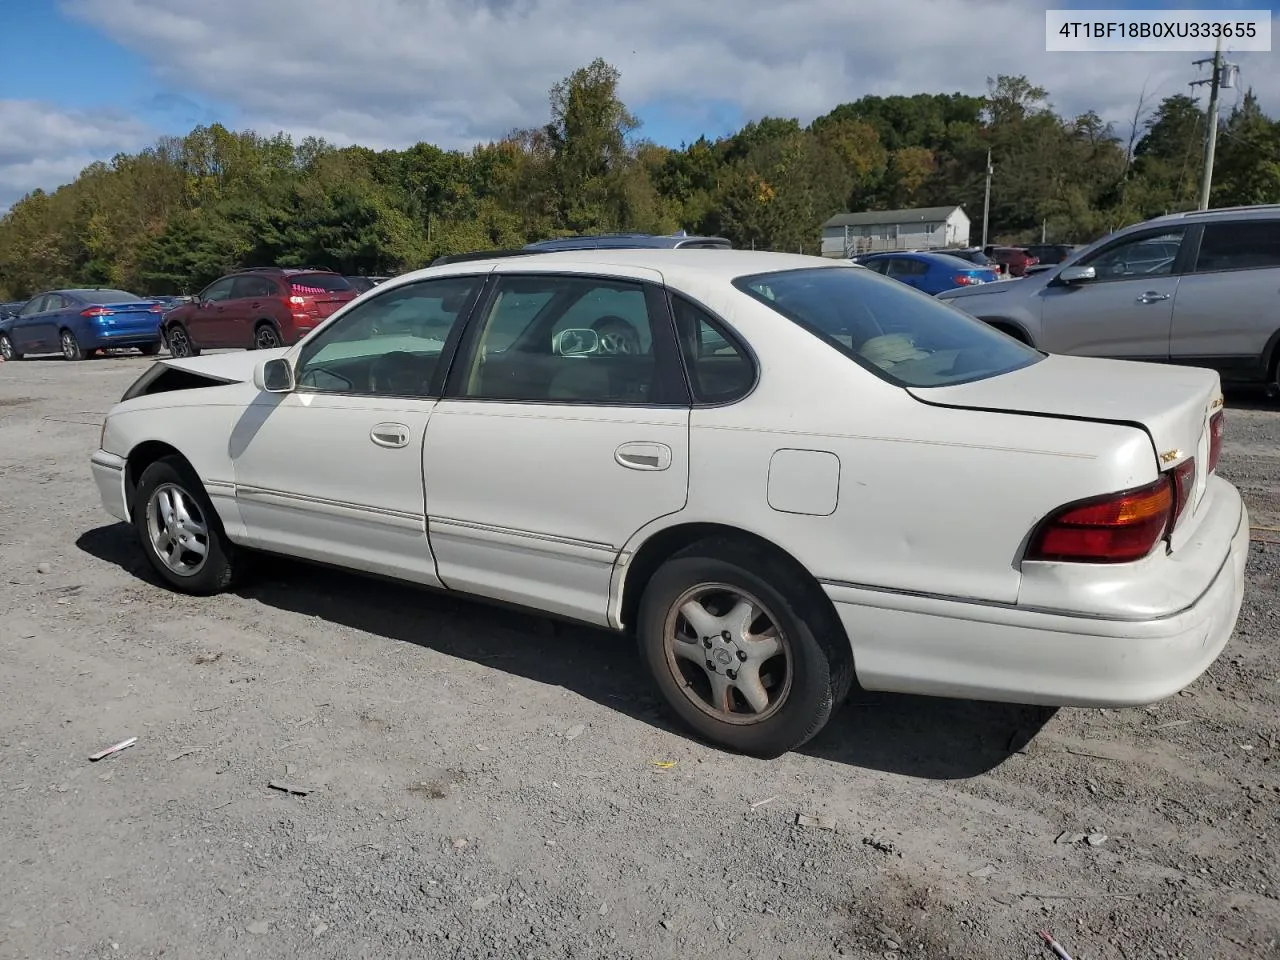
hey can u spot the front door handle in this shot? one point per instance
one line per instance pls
(1152, 297)
(643, 456)
(390, 435)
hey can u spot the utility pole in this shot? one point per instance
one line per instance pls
(986, 201)
(1211, 120)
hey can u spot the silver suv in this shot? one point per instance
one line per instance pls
(1201, 289)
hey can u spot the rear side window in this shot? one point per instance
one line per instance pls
(319, 283)
(901, 335)
(720, 371)
(1244, 245)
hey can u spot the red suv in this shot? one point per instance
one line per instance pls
(258, 308)
(1014, 259)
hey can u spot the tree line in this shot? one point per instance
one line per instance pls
(181, 213)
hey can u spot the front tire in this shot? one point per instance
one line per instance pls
(266, 337)
(7, 349)
(743, 647)
(71, 349)
(180, 345)
(179, 530)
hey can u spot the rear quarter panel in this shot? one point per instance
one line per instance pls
(930, 500)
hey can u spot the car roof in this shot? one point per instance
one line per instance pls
(723, 264)
(624, 241)
(1261, 211)
(286, 271)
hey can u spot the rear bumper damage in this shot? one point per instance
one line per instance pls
(952, 648)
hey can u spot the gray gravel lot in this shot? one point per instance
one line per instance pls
(485, 784)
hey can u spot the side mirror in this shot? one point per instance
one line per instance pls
(274, 376)
(575, 342)
(1077, 275)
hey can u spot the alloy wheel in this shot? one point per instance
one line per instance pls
(728, 654)
(266, 338)
(177, 529)
(179, 344)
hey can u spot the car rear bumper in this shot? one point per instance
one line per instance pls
(950, 648)
(108, 475)
(109, 339)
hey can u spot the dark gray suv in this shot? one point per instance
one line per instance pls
(1200, 289)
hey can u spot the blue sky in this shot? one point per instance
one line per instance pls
(84, 79)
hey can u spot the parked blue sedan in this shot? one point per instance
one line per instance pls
(77, 322)
(929, 272)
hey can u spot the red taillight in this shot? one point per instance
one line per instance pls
(95, 312)
(298, 301)
(1117, 528)
(157, 308)
(965, 279)
(1184, 482)
(1217, 426)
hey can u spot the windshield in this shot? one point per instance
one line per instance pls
(318, 283)
(899, 334)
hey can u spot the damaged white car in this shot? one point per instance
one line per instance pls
(779, 473)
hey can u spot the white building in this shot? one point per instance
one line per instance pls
(925, 228)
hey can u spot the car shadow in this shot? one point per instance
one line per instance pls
(924, 737)
(1249, 398)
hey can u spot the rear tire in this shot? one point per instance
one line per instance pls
(762, 664)
(7, 349)
(71, 349)
(180, 531)
(150, 349)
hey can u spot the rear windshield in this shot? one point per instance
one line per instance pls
(105, 296)
(901, 335)
(319, 283)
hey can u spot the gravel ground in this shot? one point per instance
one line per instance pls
(485, 784)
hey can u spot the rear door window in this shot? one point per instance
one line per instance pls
(1243, 245)
(249, 286)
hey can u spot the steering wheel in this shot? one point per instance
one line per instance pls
(399, 373)
(617, 336)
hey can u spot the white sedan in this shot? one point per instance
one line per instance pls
(780, 473)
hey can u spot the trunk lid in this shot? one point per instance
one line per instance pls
(129, 316)
(1172, 404)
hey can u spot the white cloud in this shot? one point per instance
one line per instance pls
(453, 72)
(390, 72)
(42, 146)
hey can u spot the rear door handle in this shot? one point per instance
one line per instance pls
(1152, 297)
(643, 456)
(390, 435)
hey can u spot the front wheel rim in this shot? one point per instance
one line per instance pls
(177, 529)
(728, 654)
(178, 343)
